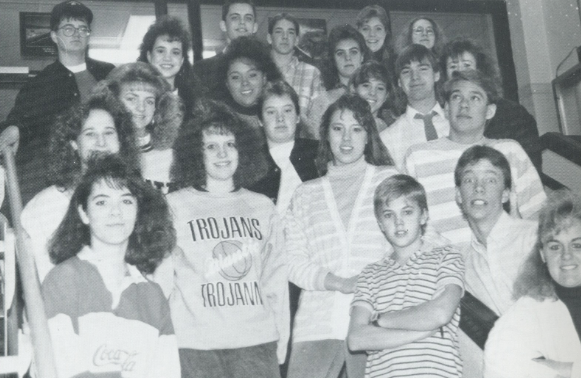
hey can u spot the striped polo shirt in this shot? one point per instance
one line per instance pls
(387, 286)
(433, 164)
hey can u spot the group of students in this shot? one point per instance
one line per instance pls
(174, 223)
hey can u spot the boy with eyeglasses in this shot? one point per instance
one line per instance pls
(67, 81)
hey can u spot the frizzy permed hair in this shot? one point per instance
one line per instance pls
(64, 162)
(153, 236)
(247, 48)
(405, 38)
(562, 208)
(330, 73)
(169, 110)
(375, 152)
(212, 116)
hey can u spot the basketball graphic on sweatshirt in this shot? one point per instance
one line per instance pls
(232, 259)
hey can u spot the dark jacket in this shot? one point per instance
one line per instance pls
(45, 96)
(302, 157)
(513, 121)
(206, 71)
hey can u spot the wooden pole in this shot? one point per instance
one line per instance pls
(40, 334)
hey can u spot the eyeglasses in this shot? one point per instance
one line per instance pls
(420, 30)
(69, 31)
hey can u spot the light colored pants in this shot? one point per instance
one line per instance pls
(325, 359)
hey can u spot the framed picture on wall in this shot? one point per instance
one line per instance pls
(35, 35)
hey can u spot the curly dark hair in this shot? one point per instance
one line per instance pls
(188, 85)
(153, 237)
(169, 111)
(65, 167)
(375, 152)
(251, 48)
(189, 166)
(340, 33)
(484, 62)
(405, 37)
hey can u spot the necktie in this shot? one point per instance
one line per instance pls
(429, 128)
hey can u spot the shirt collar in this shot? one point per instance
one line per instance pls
(503, 226)
(281, 152)
(411, 112)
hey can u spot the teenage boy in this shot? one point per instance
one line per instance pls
(470, 101)
(238, 19)
(283, 36)
(405, 310)
(511, 120)
(418, 72)
(500, 243)
(57, 87)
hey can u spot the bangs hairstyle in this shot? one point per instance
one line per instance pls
(415, 53)
(395, 187)
(405, 38)
(488, 84)
(375, 152)
(214, 117)
(371, 11)
(372, 70)
(477, 153)
(153, 237)
(283, 16)
(279, 88)
(457, 47)
(340, 33)
(256, 51)
(69, 11)
(228, 3)
(64, 162)
(562, 208)
(169, 110)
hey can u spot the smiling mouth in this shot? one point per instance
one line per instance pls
(569, 267)
(401, 233)
(222, 164)
(479, 202)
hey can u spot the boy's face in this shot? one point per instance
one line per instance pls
(240, 21)
(284, 37)
(417, 80)
(401, 222)
(481, 192)
(75, 43)
(468, 108)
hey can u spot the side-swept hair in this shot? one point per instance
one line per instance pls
(415, 53)
(476, 153)
(405, 38)
(375, 152)
(371, 11)
(169, 110)
(562, 208)
(476, 77)
(372, 70)
(340, 33)
(283, 16)
(228, 3)
(278, 88)
(64, 162)
(153, 237)
(211, 116)
(396, 186)
(459, 46)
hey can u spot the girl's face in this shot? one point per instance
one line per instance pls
(374, 33)
(374, 92)
(167, 56)
(562, 254)
(347, 138)
(348, 57)
(245, 82)
(423, 33)
(110, 214)
(280, 119)
(139, 99)
(220, 157)
(98, 135)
